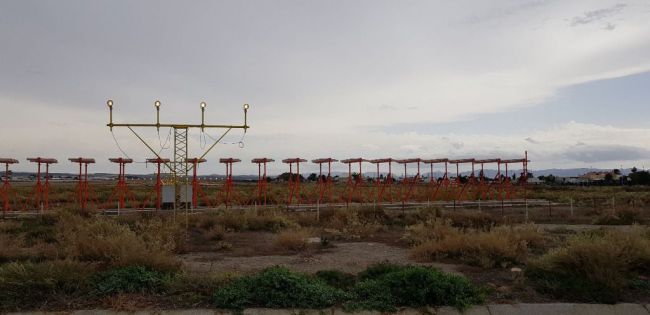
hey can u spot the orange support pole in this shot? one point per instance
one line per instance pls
(228, 189)
(121, 191)
(83, 189)
(436, 184)
(387, 184)
(159, 183)
(294, 184)
(262, 179)
(41, 192)
(409, 184)
(353, 185)
(196, 186)
(6, 190)
(324, 187)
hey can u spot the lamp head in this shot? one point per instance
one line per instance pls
(203, 104)
(109, 103)
(157, 104)
(246, 106)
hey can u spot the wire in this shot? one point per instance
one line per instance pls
(240, 143)
(166, 145)
(118, 145)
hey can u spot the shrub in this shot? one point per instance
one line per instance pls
(502, 246)
(337, 279)
(28, 284)
(162, 235)
(294, 240)
(473, 220)
(215, 233)
(388, 286)
(622, 217)
(195, 288)
(277, 287)
(131, 279)
(430, 230)
(593, 267)
(113, 244)
(251, 221)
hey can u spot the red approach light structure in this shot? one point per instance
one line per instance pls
(461, 187)
(159, 183)
(294, 181)
(409, 183)
(385, 185)
(508, 188)
(228, 185)
(434, 183)
(196, 186)
(83, 191)
(7, 193)
(41, 193)
(262, 179)
(324, 187)
(486, 188)
(121, 191)
(353, 185)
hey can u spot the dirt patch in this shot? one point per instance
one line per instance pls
(349, 257)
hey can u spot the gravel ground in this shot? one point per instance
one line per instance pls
(350, 257)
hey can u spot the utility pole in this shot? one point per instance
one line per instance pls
(179, 167)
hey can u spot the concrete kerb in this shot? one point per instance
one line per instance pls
(568, 309)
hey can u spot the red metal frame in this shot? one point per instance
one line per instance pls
(262, 179)
(84, 192)
(352, 186)
(462, 194)
(197, 190)
(122, 191)
(41, 192)
(324, 187)
(159, 183)
(386, 185)
(508, 188)
(409, 184)
(436, 184)
(486, 188)
(294, 184)
(7, 191)
(228, 187)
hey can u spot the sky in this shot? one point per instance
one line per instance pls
(565, 80)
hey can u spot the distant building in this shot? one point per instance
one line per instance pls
(599, 176)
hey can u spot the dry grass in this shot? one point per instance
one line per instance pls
(292, 240)
(245, 220)
(215, 233)
(500, 247)
(594, 266)
(470, 219)
(353, 223)
(113, 244)
(430, 230)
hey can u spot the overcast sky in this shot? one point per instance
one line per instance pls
(568, 81)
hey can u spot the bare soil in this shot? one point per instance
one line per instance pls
(351, 257)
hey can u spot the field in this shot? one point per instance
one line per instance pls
(587, 244)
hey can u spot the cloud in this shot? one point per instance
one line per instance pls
(597, 15)
(607, 153)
